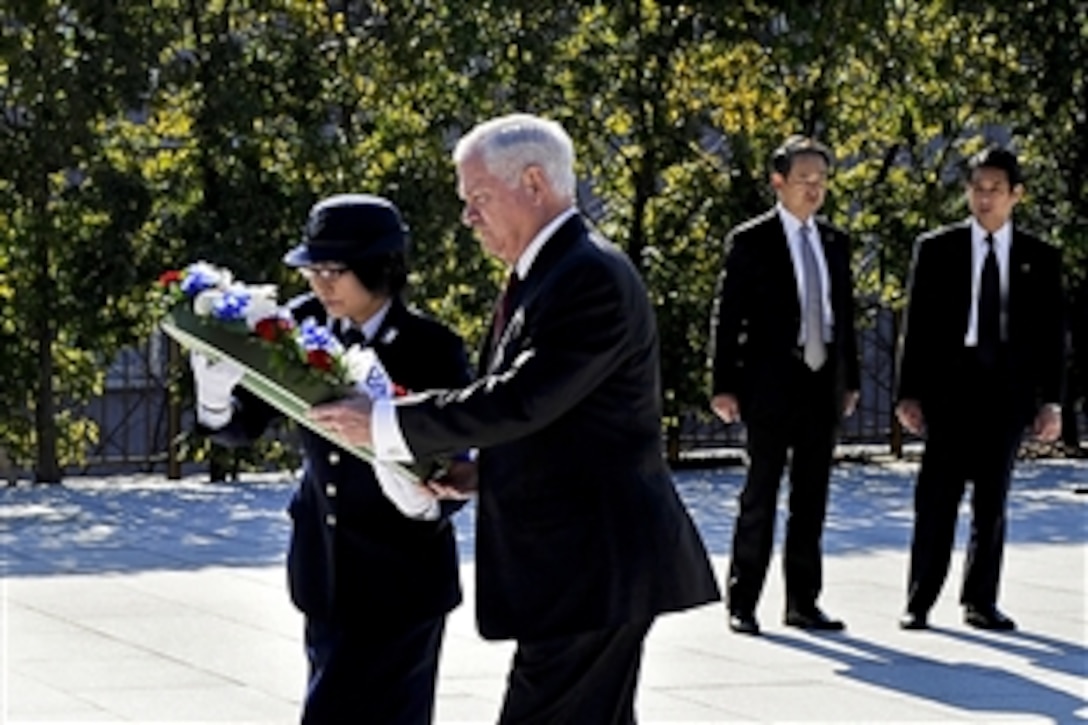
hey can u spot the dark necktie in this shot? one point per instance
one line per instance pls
(352, 336)
(989, 307)
(504, 307)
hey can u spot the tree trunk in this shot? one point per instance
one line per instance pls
(46, 468)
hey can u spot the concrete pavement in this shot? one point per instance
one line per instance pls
(137, 599)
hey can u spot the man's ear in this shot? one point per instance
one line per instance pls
(535, 182)
(1017, 193)
(777, 180)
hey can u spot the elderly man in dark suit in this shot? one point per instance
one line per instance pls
(581, 539)
(981, 358)
(373, 571)
(784, 360)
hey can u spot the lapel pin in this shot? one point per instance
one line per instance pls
(390, 335)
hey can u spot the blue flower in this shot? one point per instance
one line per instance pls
(199, 277)
(314, 336)
(232, 305)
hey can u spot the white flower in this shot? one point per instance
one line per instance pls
(262, 305)
(267, 291)
(205, 301)
(364, 367)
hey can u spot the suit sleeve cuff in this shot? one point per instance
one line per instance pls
(389, 443)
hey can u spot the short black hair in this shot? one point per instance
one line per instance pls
(996, 157)
(794, 146)
(384, 274)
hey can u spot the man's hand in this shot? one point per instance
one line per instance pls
(850, 402)
(1048, 423)
(458, 482)
(726, 407)
(348, 418)
(910, 416)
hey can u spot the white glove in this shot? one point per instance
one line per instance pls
(412, 499)
(214, 383)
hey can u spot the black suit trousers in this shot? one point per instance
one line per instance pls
(384, 673)
(976, 440)
(802, 434)
(582, 678)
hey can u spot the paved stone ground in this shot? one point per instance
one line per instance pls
(136, 599)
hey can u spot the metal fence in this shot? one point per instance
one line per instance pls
(135, 420)
(137, 424)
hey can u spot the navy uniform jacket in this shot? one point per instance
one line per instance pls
(353, 555)
(579, 525)
(757, 316)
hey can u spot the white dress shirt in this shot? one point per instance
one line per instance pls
(979, 249)
(794, 238)
(370, 327)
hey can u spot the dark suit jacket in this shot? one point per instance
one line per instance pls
(932, 354)
(757, 316)
(579, 526)
(353, 556)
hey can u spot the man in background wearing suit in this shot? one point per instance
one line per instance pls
(581, 539)
(784, 360)
(981, 357)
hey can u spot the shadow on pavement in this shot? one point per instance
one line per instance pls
(1041, 651)
(871, 506)
(967, 686)
(137, 523)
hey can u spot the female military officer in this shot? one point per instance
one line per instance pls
(374, 577)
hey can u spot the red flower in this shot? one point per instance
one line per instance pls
(319, 359)
(399, 391)
(169, 277)
(268, 329)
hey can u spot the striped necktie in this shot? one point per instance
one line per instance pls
(815, 352)
(504, 307)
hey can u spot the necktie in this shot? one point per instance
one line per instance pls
(989, 307)
(352, 336)
(504, 307)
(815, 353)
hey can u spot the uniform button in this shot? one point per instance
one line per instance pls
(330, 489)
(330, 519)
(334, 457)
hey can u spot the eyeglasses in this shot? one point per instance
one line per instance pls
(980, 190)
(324, 274)
(810, 182)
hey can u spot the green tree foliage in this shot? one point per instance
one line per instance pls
(69, 210)
(140, 136)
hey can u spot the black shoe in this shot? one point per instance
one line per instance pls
(812, 618)
(987, 618)
(914, 620)
(743, 622)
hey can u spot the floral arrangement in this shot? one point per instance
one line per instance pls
(290, 365)
(220, 300)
